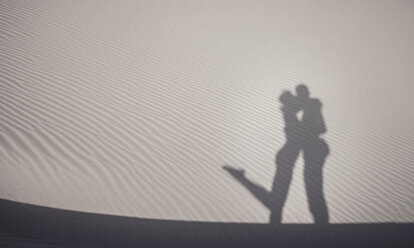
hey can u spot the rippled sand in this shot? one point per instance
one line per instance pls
(132, 107)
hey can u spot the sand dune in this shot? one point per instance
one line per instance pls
(132, 107)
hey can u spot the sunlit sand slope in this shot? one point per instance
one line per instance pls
(132, 107)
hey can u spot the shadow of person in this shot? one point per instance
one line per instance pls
(301, 135)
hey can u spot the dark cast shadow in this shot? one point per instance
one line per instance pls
(27, 225)
(302, 135)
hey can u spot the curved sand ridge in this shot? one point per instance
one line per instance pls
(132, 108)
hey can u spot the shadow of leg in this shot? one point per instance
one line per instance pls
(285, 160)
(314, 155)
(256, 190)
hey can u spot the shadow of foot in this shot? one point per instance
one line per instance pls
(237, 173)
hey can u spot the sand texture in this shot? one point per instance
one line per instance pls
(132, 108)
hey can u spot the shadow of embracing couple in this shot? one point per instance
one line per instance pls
(27, 225)
(303, 126)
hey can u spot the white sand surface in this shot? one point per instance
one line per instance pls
(132, 107)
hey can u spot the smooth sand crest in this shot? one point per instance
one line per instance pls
(132, 108)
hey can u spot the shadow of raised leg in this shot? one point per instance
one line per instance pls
(256, 190)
